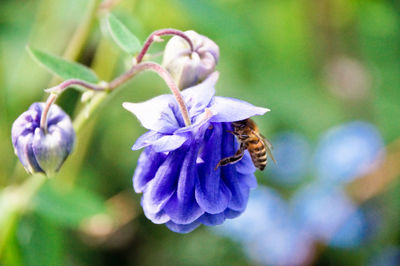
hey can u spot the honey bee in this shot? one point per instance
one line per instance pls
(249, 137)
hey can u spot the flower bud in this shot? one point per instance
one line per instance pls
(190, 68)
(41, 151)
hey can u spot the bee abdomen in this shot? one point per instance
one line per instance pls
(260, 164)
(259, 158)
(261, 154)
(254, 141)
(259, 148)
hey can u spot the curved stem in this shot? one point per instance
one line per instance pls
(71, 82)
(155, 35)
(164, 74)
(43, 119)
(59, 89)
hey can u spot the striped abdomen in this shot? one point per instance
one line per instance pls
(256, 148)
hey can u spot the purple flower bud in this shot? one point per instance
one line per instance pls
(41, 151)
(176, 171)
(190, 68)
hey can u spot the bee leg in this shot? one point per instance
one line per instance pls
(243, 137)
(240, 136)
(232, 159)
(233, 132)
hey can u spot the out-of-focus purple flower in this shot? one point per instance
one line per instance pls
(268, 232)
(286, 244)
(41, 151)
(323, 212)
(352, 232)
(348, 151)
(190, 68)
(264, 211)
(176, 171)
(292, 151)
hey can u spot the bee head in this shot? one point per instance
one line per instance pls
(240, 124)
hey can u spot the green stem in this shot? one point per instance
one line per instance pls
(88, 110)
(81, 34)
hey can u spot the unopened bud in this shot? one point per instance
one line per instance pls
(41, 151)
(187, 67)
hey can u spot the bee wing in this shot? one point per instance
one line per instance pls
(267, 142)
(268, 147)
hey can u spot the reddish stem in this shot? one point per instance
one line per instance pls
(138, 67)
(164, 74)
(158, 33)
(71, 82)
(43, 119)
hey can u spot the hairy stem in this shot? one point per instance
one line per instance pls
(81, 34)
(71, 82)
(164, 74)
(43, 119)
(155, 35)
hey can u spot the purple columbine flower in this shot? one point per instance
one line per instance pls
(41, 151)
(176, 171)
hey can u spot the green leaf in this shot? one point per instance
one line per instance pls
(62, 68)
(70, 207)
(122, 35)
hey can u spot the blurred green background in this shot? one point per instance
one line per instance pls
(314, 63)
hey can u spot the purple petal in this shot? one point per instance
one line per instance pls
(25, 153)
(230, 214)
(56, 115)
(239, 190)
(37, 107)
(246, 169)
(230, 109)
(156, 114)
(211, 193)
(169, 142)
(198, 97)
(52, 149)
(160, 189)
(249, 180)
(146, 139)
(147, 166)
(158, 218)
(245, 165)
(182, 228)
(198, 127)
(24, 125)
(182, 207)
(212, 219)
(160, 142)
